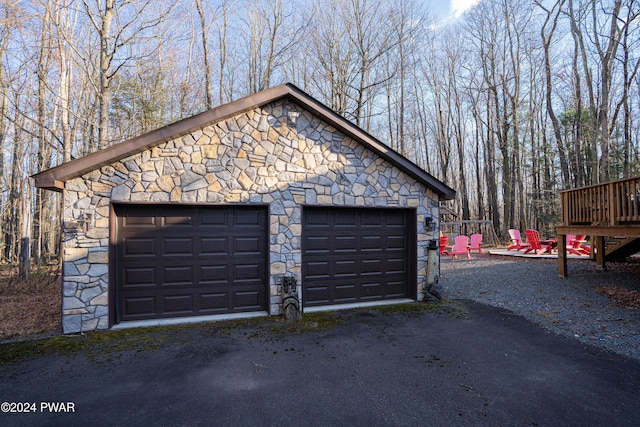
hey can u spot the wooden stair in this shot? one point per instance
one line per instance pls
(621, 247)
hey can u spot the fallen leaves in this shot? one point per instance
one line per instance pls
(625, 297)
(29, 307)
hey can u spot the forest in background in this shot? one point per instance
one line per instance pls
(509, 104)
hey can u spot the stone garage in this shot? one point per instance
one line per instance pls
(205, 217)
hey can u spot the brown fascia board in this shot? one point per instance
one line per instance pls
(54, 178)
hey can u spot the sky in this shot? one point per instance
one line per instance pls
(451, 9)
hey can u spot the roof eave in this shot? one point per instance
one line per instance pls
(47, 184)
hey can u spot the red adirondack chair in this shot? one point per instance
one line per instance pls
(461, 247)
(476, 243)
(517, 240)
(576, 245)
(536, 245)
(443, 245)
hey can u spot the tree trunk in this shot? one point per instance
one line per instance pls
(205, 50)
(546, 42)
(592, 167)
(25, 240)
(491, 175)
(15, 199)
(222, 55)
(44, 149)
(104, 94)
(607, 58)
(4, 106)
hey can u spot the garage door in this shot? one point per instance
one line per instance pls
(357, 255)
(176, 261)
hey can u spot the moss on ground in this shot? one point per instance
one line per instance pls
(411, 309)
(451, 308)
(102, 346)
(94, 345)
(261, 326)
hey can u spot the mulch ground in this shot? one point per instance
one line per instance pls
(30, 307)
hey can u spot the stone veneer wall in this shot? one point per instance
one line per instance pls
(278, 155)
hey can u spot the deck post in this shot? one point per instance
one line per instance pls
(599, 245)
(562, 255)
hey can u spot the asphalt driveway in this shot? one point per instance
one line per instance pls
(454, 364)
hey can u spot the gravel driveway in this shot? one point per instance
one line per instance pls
(566, 306)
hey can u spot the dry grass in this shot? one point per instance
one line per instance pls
(29, 307)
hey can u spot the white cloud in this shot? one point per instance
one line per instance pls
(458, 7)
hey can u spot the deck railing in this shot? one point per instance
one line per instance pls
(609, 204)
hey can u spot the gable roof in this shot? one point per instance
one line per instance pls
(54, 178)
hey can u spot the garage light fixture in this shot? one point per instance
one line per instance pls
(85, 221)
(293, 117)
(428, 224)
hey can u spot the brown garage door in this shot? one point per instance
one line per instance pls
(357, 255)
(176, 261)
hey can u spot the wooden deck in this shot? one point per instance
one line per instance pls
(609, 213)
(531, 255)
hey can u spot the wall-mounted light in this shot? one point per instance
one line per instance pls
(428, 223)
(293, 117)
(86, 219)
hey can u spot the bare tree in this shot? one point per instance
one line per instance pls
(409, 26)
(273, 33)
(455, 55)
(434, 102)
(630, 68)
(64, 23)
(488, 39)
(372, 39)
(44, 150)
(205, 50)
(116, 50)
(224, 93)
(330, 45)
(551, 20)
(6, 20)
(607, 56)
